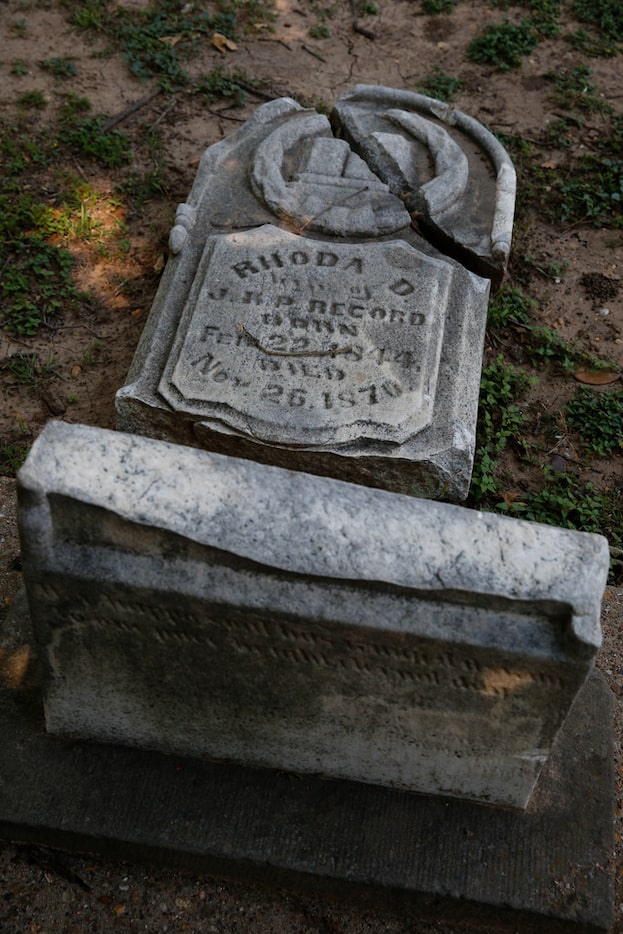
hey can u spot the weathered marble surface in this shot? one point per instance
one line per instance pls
(215, 607)
(303, 319)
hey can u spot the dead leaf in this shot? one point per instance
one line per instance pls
(511, 497)
(222, 43)
(171, 40)
(159, 263)
(550, 164)
(597, 377)
(76, 370)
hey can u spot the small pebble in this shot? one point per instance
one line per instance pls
(604, 312)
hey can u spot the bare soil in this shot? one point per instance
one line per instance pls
(81, 356)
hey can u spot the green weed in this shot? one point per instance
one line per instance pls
(319, 31)
(12, 456)
(604, 15)
(593, 192)
(598, 419)
(499, 420)
(545, 17)
(35, 286)
(87, 135)
(509, 306)
(19, 68)
(19, 28)
(440, 85)
(32, 100)
(368, 8)
(60, 67)
(144, 36)
(591, 45)
(224, 84)
(503, 44)
(433, 7)
(565, 501)
(574, 90)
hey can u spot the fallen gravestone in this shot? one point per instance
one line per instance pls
(305, 321)
(209, 606)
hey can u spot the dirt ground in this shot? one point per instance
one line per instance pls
(81, 357)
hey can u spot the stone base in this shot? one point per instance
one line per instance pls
(542, 869)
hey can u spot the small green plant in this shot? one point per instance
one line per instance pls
(592, 193)
(545, 17)
(91, 353)
(60, 67)
(219, 83)
(142, 35)
(509, 306)
(598, 419)
(88, 135)
(368, 8)
(19, 28)
(28, 370)
(36, 284)
(19, 68)
(546, 346)
(574, 90)
(32, 100)
(440, 85)
(503, 44)
(591, 45)
(319, 31)
(12, 456)
(604, 15)
(499, 420)
(568, 503)
(433, 7)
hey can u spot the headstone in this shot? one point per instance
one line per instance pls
(213, 607)
(303, 319)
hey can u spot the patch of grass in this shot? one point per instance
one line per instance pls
(593, 193)
(591, 45)
(28, 370)
(156, 41)
(319, 31)
(440, 85)
(565, 501)
(605, 15)
(574, 90)
(19, 67)
(12, 456)
(545, 17)
(598, 419)
(433, 7)
(546, 346)
(32, 100)
(219, 83)
(88, 136)
(500, 420)
(368, 8)
(61, 68)
(509, 306)
(36, 285)
(139, 188)
(19, 28)
(503, 44)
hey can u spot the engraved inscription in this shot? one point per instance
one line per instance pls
(408, 667)
(296, 343)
